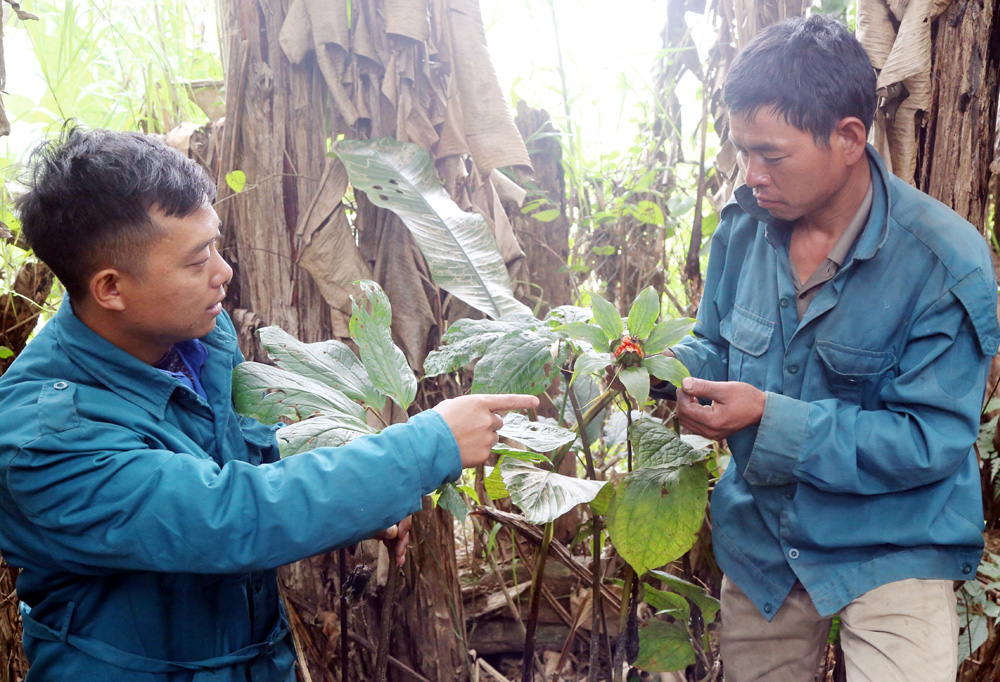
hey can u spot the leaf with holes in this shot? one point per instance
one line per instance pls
(544, 496)
(459, 247)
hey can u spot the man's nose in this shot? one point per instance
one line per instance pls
(756, 176)
(224, 273)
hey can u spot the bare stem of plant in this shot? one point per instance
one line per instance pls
(528, 669)
(344, 640)
(385, 626)
(623, 615)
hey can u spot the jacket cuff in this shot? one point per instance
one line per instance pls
(432, 435)
(780, 437)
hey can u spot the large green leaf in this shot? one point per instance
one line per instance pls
(656, 445)
(468, 340)
(656, 513)
(607, 317)
(658, 508)
(451, 500)
(267, 393)
(645, 310)
(544, 496)
(670, 603)
(538, 436)
(330, 362)
(329, 431)
(667, 334)
(514, 364)
(664, 647)
(385, 363)
(668, 369)
(565, 314)
(459, 247)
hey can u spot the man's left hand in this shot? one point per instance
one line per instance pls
(397, 537)
(735, 405)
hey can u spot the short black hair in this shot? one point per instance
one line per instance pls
(89, 197)
(810, 69)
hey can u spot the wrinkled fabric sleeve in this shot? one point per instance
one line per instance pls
(103, 502)
(928, 425)
(706, 353)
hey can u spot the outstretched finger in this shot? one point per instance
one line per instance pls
(501, 402)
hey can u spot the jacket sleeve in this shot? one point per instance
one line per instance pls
(100, 501)
(928, 421)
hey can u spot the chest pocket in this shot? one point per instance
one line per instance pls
(749, 337)
(855, 375)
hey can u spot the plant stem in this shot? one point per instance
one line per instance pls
(344, 641)
(623, 614)
(589, 414)
(382, 655)
(597, 604)
(527, 661)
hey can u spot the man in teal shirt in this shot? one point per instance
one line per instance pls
(146, 516)
(842, 347)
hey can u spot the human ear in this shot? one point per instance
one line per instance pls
(852, 138)
(104, 289)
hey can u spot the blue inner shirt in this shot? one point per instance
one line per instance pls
(184, 361)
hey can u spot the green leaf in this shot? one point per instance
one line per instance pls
(591, 363)
(636, 381)
(599, 504)
(459, 247)
(5, 353)
(607, 318)
(493, 483)
(470, 491)
(470, 339)
(544, 496)
(523, 455)
(330, 431)
(565, 314)
(287, 395)
(667, 334)
(708, 604)
(645, 310)
(514, 364)
(330, 362)
(538, 436)
(672, 604)
(656, 512)
(451, 500)
(647, 212)
(546, 216)
(590, 333)
(664, 647)
(237, 180)
(656, 445)
(385, 363)
(668, 369)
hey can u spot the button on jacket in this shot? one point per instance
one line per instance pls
(148, 521)
(861, 471)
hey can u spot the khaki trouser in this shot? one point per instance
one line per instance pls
(905, 631)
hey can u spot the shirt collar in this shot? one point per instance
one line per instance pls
(119, 371)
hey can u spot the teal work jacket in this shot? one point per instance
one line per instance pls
(148, 521)
(862, 469)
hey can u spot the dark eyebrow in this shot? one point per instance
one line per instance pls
(201, 247)
(765, 147)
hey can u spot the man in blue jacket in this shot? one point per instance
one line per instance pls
(843, 343)
(147, 516)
